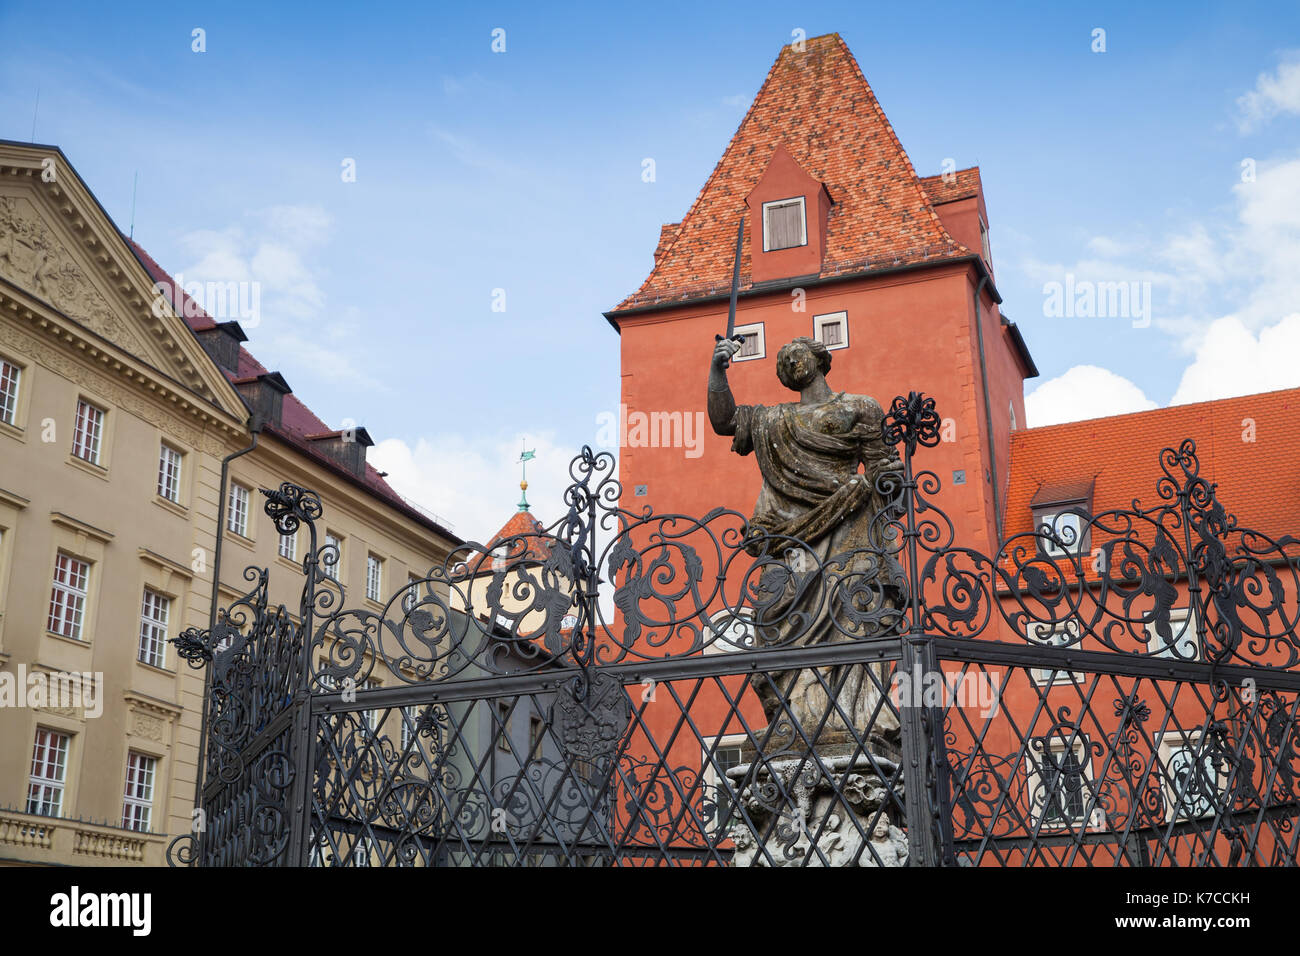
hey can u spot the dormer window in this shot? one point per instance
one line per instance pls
(1061, 518)
(1060, 533)
(785, 224)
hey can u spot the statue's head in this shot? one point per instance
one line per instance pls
(799, 363)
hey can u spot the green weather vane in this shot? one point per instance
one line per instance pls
(525, 456)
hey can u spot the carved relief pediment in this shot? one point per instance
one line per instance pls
(34, 258)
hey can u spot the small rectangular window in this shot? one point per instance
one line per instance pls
(137, 804)
(10, 375)
(1060, 533)
(1183, 642)
(169, 474)
(1059, 771)
(1059, 634)
(49, 773)
(754, 346)
(410, 725)
(1192, 785)
(536, 728)
(984, 244)
(68, 596)
(412, 597)
(371, 717)
(89, 432)
(289, 546)
(832, 330)
(374, 577)
(784, 224)
(154, 611)
(503, 726)
(237, 510)
(333, 557)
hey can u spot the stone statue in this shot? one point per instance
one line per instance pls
(821, 524)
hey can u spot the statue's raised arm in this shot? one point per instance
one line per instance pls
(722, 406)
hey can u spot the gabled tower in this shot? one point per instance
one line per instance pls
(844, 243)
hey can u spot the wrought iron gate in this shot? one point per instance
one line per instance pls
(626, 688)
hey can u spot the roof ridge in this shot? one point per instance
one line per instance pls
(1038, 430)
(699, 196)
(893, 135)
(815, 103)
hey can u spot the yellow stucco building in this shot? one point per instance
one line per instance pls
(118, 406)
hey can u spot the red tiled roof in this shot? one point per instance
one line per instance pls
(1062, 492)
(533, 544)
(1259, 479)
(819, 105)
(298, 424)
(964, 184)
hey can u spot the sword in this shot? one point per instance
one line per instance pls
(735, 287)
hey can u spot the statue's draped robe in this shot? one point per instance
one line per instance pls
(847, 584)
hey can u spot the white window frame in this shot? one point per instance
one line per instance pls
(820, 321)
(238, 500)
(48, 779)
(1173, 744)
(986, 248)
(1053, 520)
(374, 577)
(412, 595)
(170, 463)
(334, 571)
(154, 617)
(88, 432)
(1061, 634)
(137, 797)
(69, 596)
(711, 778)
(536, 736)
(803, 222)
(371, 717)
(11, 383)
(410, 725)
(287, 547)
(1184, 636)
(502, 727)
(726, 628)
(1033, 773)
(754, 329)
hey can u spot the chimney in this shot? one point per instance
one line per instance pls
(264, 396)
(347, 447)
(221, 342)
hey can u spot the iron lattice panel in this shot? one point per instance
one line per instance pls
(630, 689)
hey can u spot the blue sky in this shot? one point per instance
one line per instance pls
(521, 171)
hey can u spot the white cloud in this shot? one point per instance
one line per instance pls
(1273, 94)
(1242, 263)
(474, 483)
(1084, 391)
(274, 248)
(1231, 360)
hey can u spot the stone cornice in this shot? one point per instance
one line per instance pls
(154, 705)
(81, 215)
(80, 527)
(86, 359)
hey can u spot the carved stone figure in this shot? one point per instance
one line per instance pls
(821, 523)
(833, 815)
